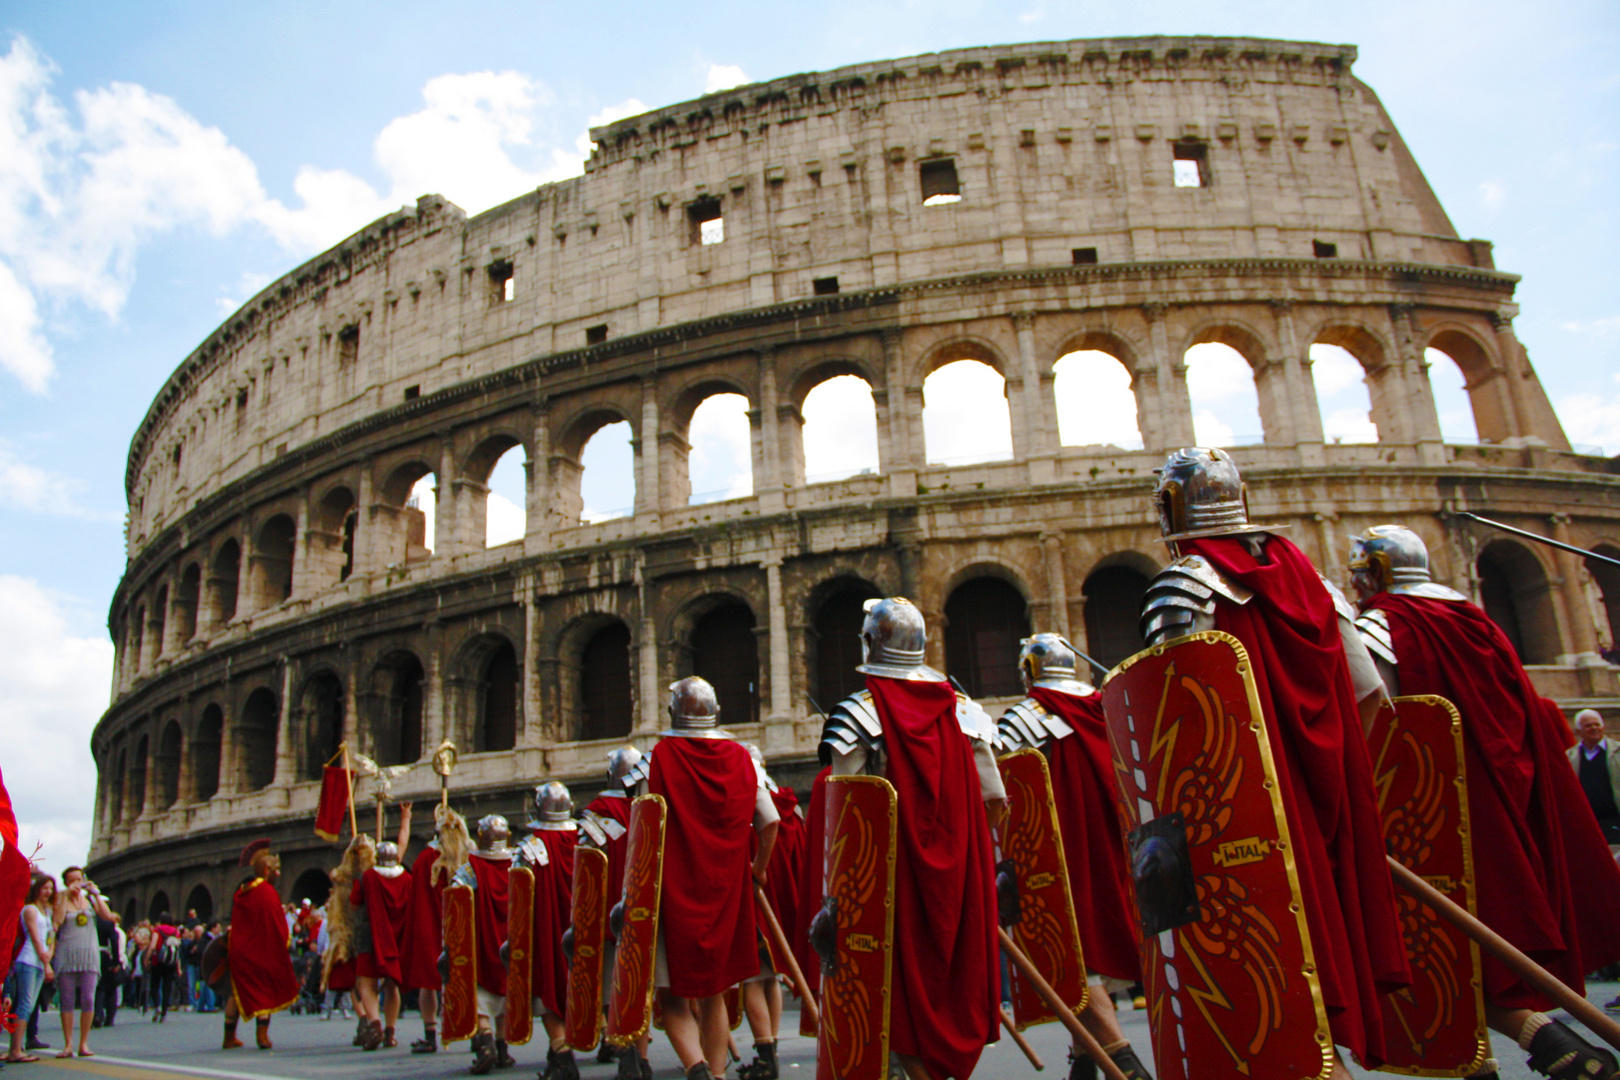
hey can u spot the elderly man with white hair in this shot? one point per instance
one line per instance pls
(1596, 760)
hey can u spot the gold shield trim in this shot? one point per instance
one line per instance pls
(631, 1010)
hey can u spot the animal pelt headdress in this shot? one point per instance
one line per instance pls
(358, 857)
(455, 843)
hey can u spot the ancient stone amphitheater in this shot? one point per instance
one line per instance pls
(1010, 206)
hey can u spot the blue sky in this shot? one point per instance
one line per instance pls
(160, 162)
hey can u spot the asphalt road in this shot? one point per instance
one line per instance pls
(186, 1047)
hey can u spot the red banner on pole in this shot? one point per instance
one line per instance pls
(334, 804)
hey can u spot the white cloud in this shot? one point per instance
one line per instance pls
(246, 287)
(1608, 326)
(1592, 420)
(1226, 408)
(28, 487)
(1211, 430)
(965, 416)
(607, 487)
(723, 77)
(23, 349)
(1492, 194)
(721, 464)
(627, 108)
(840, 429)
(504, 520)
(56, 688)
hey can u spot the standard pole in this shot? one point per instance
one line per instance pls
(1524, 967)
(1538, 538)
(348, 776)
(1065, 1015)
(807, 1000)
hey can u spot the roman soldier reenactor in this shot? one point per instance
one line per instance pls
(486, 872)
(1315, 685)
(424, 920)
(1063, 718)
(1549, 886)
(262, 978)
(384, 893)
(548, 853)
(935, 747)
(762, 994)
(811, 878)
(605, 824)
(707, 933)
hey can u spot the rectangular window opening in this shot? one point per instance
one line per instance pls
(1323, 250)
(1084, 256)
(502, 281)
(413, 392)
(939, 183)
(1191, 164)
(707, 224)
(825, 286)
(349, 344)
(595, 335)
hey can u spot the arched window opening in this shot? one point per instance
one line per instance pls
(131, 912)
(721, 460)
(1095, 402)
(1342, 395)
(273, 562)
(985, 619)
(409, 499)
(116, 785)
(331, 545)
(160, 622)
(201, 901)
(399, 684)
(1113, 604)
(1607, 579)
(137, 638)
(185, 604)
(836, 641)
(223, 583)
(312, 885)
(499, 691)
(840, 430)
(1515, 593)
(965, 414)
(261, 716)
(607, 483)
(137, 778)
(1448, 382)
(205, 751)
(160, 910)
(607, 708)
(167, 766)
(506, 506)
(725, 651)
(1225, 404)
(323, 709)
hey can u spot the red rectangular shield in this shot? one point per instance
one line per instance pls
(460, 994)
(861, 841)
(520, 955)
(589, 922)
(630, 1011)
(1226, 956)
(1047, 930)
(1437, 1026)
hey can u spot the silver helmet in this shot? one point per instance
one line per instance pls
(553, 803)
(387, 854)
(894, 641)
(693, 705)
(1048, 660)
(1387, 555)
(1201, 494)
(621, 761)
(493, 835)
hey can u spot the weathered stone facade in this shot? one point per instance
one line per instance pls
(280, 597)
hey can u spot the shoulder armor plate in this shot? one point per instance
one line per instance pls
(591, 833)
(852, 722)
(1373, 627)
(532, 853)
(1345, 608)
(637, 772)
(1428, 590)
(465, 876)
(1181, 594)
(976, 723)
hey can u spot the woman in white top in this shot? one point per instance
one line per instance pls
(77, 959)
(32, 968)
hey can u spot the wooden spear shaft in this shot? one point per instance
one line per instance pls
(1023, 1043)
(1065, 1015)
(348, 776)
(1524, 967)
(807, 1000)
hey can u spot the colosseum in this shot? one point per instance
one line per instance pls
(1012, 206)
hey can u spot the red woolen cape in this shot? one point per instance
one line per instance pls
(787, 860)
(614, 809)
(261, 971)
(15, 874)
(812, 883)
(424, 926)
(1291, 631)
(1084, 789)
(553, 909)
(387, 902)
(945, 992)
(707, 915)
(489, 907)
(1546, 879)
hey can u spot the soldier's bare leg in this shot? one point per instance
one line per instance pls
(681, 1025)
(914, 1067)
(391, 1005)
(428, 1004)
(716, 1032)
(1555, 1049)
(762, 1004)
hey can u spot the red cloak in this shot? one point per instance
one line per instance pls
(614, 809)
(1547, 881)
(782, 875)
(424, 926)
(261, 971)
(15, 874)
(387, 902)
(812, 884)
(553, 909)
(707, 916)
(945, 982)
(1291, 632)
(1084, 789)
(489, 919)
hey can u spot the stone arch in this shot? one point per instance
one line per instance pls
(166, 767)
(136, 784)
(489, 677)
(1488, 401)
(160, 620)
(1270, 389)
(1113, 592)
(986, 616)
(716, 453)
(822, 368)
(224, 583)
(271, 577)
(187, 600)
(132, 912)
(1339, 401)
(329, 544)
(598, 655)
(398, 705)
(967, 412)
(475, 487)
(116, 787)
(1516, 592)
(137, 637)
(321, 713)
(835, 427)
(718, 640)
(314, 885)
(1076, 379)
(405, 533)
(200, 900)
(835, 610)
(961, 347)
(206, 745)
(1607, 580)
(255, 739)
(160, 907)
(567, 465)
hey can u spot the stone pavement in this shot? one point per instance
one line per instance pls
(186, 1047)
